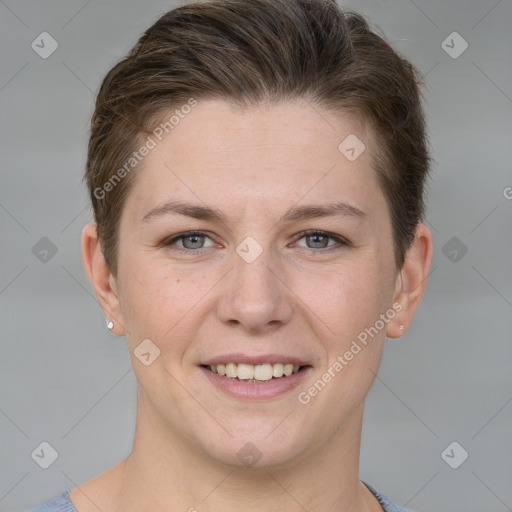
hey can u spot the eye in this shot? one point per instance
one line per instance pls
(193, 241)
(190, 240)
(320, 240)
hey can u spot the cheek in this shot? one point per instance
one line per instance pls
(343, 296)
(347, 302)
(159, 302)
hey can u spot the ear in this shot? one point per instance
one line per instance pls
(411, 281)
(101, 278)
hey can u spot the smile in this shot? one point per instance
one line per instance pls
(254, 373)
(258, 382)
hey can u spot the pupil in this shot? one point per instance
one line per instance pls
(193, 238)
(316, 237)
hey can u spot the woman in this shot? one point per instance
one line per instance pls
(256, 170)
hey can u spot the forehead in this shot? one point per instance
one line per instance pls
(265, 156)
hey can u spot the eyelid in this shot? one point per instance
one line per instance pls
(312, 232)
(170, 240)
(341, 241)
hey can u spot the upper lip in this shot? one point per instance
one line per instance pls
(254, 360)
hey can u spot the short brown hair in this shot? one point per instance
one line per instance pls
(249, 51)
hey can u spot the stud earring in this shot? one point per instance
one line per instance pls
(401, 327)
(110, 325)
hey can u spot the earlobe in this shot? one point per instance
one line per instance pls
(412, 281)
(101, 278)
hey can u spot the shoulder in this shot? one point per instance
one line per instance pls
(61, 503)
(386, 503)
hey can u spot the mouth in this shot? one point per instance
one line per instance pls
(260, 381)
(264, 372)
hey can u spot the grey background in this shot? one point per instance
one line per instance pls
(67, 381)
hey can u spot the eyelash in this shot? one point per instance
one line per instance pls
(312, 232)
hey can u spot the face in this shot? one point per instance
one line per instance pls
(263, 279)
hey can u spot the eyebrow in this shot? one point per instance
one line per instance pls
(294, 214)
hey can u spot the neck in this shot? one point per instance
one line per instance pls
(167, 472)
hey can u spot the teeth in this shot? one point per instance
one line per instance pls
(231, 370)
(278, 370)
(245, 371)
(253, 373)
(263, 372)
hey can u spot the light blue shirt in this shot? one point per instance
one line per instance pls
(62, 503)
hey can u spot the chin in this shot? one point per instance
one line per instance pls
(255, 446)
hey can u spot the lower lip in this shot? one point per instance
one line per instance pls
(256, 390)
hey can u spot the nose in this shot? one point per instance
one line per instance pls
(254, 295)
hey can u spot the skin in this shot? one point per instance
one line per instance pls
(296, 298)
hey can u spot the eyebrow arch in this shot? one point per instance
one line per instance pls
(295, 214)
(314, 211)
